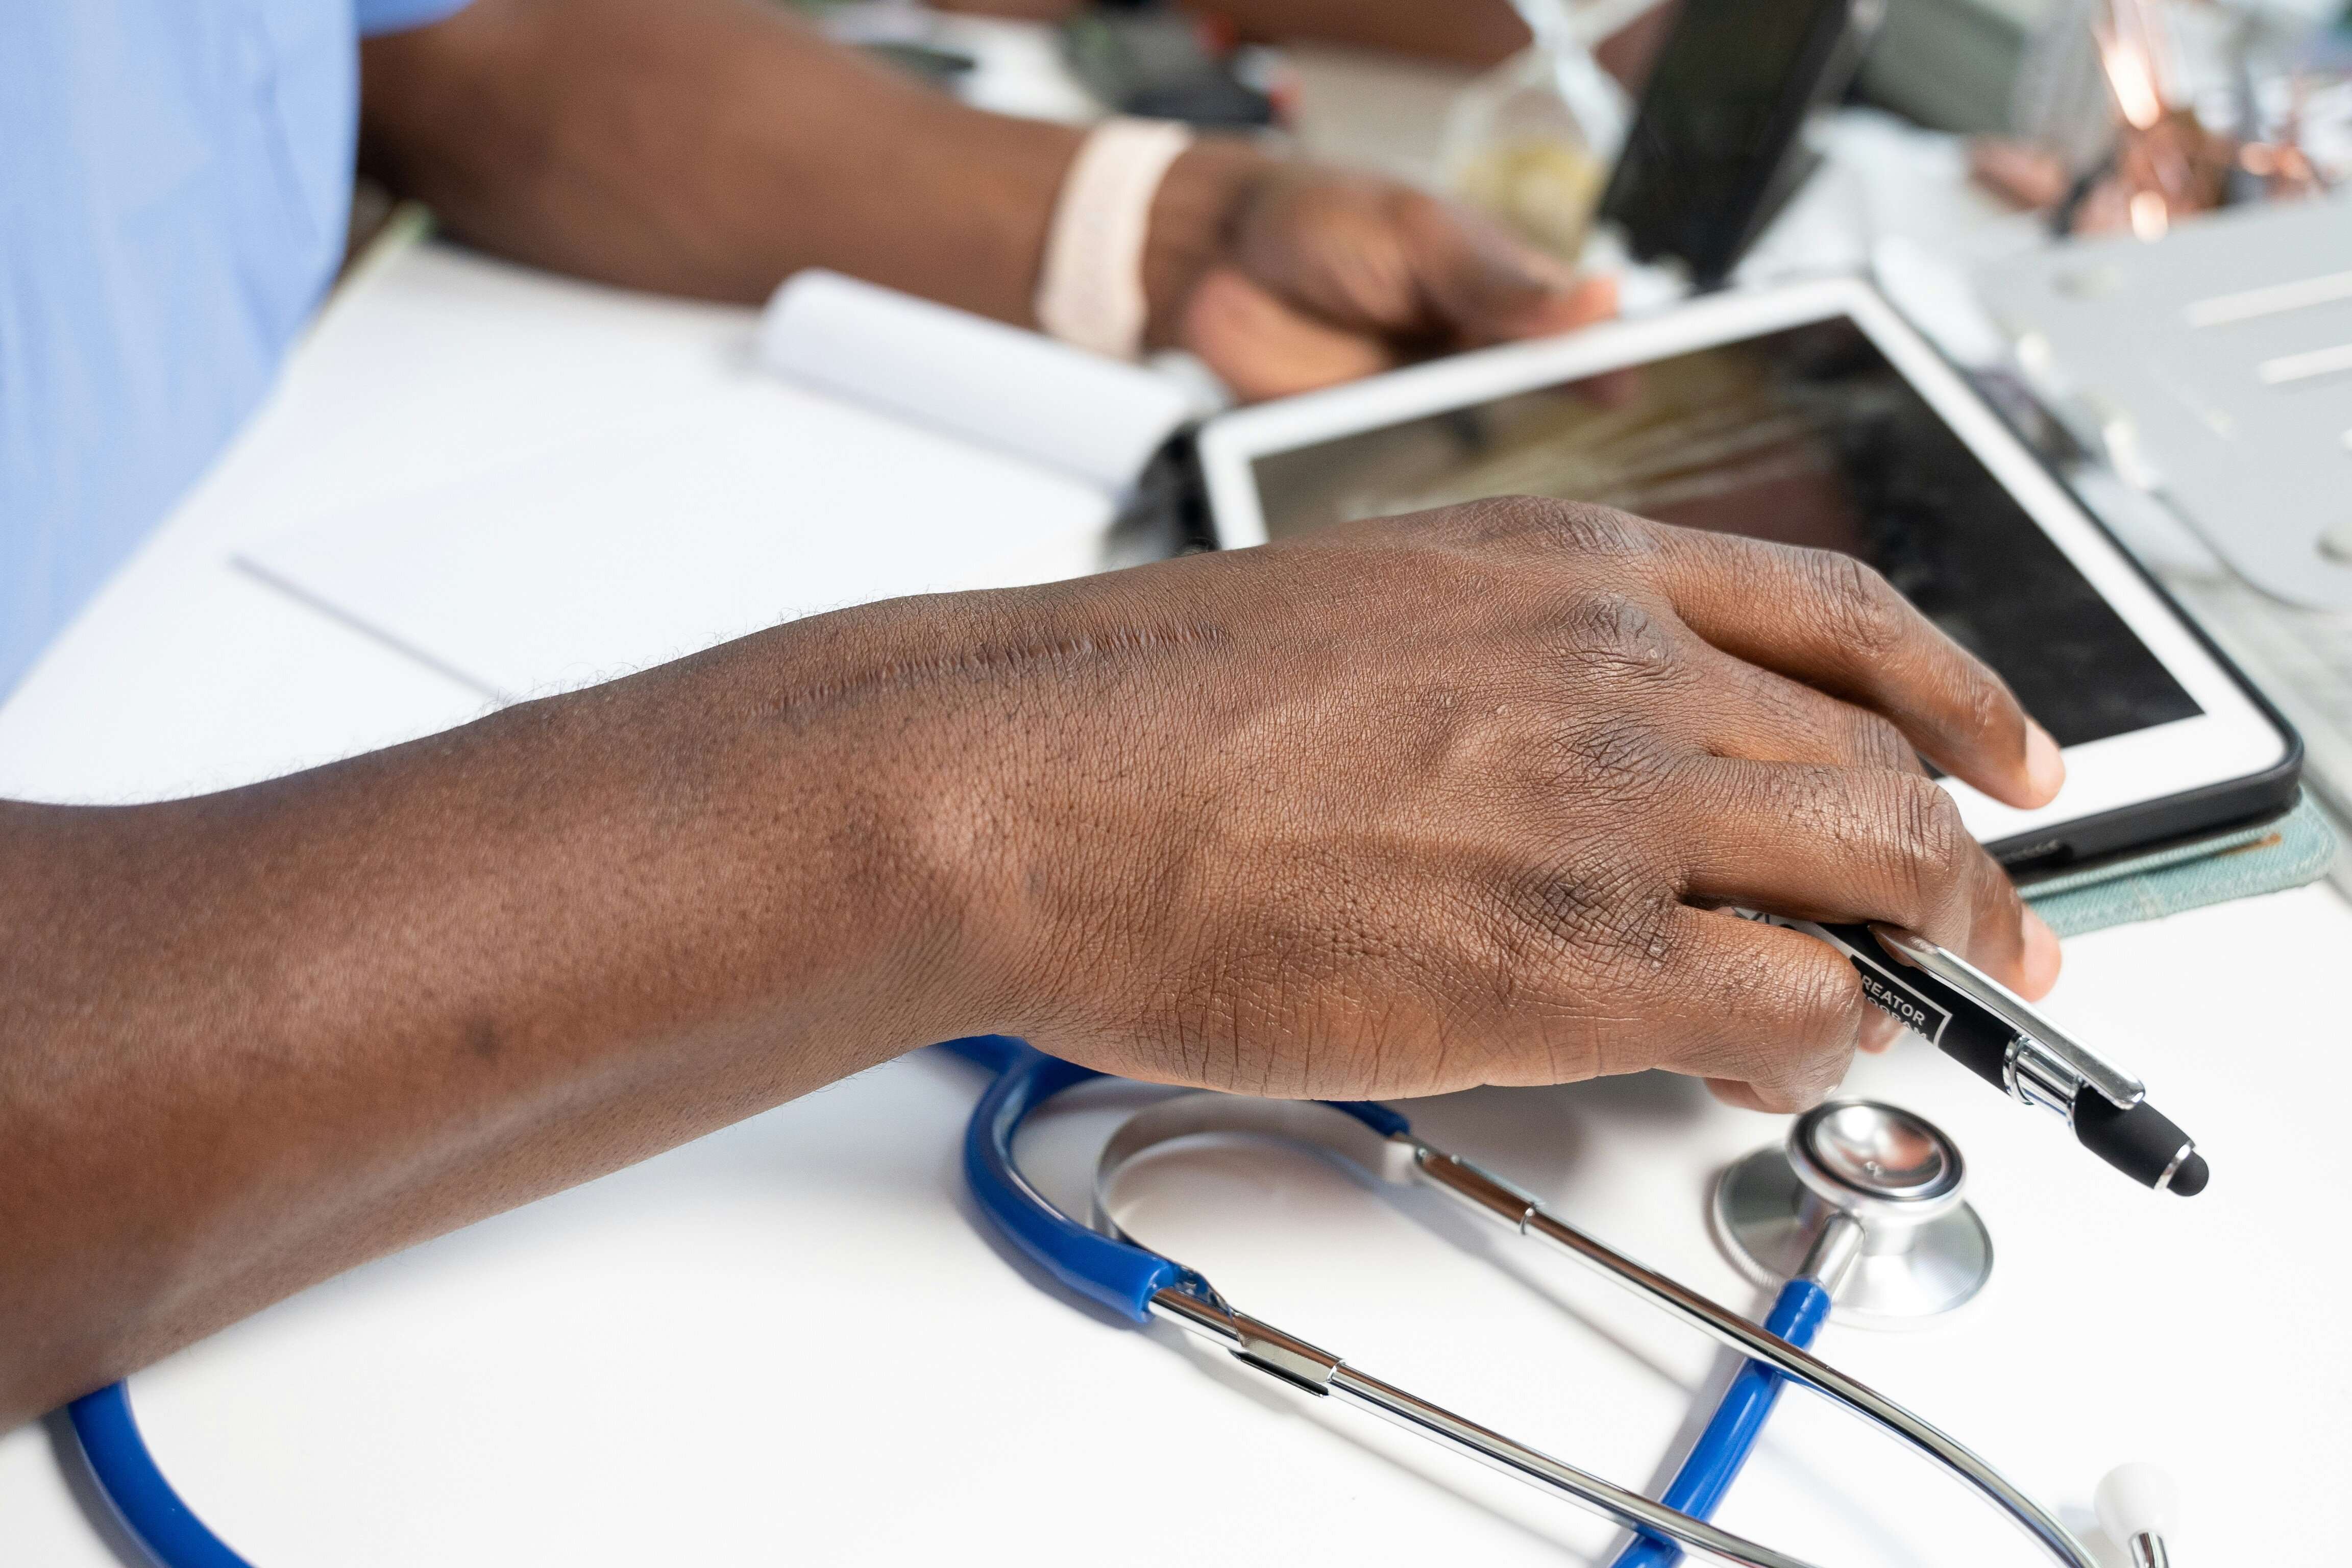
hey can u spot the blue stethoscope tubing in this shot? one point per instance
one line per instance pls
(134, 1487)
(1125, 1277)
(1118, 1274)
(1715, 1460)
(147, 1505)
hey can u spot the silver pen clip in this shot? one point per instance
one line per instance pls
(2116, 1086)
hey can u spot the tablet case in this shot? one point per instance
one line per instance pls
(2267, 857)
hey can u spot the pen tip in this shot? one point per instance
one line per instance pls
(2190, 1180)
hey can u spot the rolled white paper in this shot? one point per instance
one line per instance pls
(1018, 392)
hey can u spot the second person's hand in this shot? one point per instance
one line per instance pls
(1284, 278)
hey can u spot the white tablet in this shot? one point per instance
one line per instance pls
(1811, 414)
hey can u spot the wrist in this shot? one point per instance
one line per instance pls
(1195, 213)
(908, 820)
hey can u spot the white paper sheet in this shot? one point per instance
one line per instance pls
(629, 545)
(1001, 388)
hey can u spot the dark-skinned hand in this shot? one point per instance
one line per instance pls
(1463, 798)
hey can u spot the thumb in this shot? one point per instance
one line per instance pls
(1731, 1091)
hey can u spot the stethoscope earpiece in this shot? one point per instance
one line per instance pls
(2136, 1504)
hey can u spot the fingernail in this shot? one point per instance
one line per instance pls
(1878, 1031)
(2039, 965)
(2045, 769)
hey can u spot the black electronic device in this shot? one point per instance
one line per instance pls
(1717, 146)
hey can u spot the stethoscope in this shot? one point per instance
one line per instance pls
(1861, 1213)
(1864, 1197)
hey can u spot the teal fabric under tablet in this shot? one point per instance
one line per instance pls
(2285, 853)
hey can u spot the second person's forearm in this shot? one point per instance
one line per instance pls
(708, 148)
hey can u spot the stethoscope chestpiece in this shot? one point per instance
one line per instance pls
(1891, 1182)
(1890, 1170)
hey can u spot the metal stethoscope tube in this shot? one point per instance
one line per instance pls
(1386, 1150)
(1483, 1192)
(1318, 1372)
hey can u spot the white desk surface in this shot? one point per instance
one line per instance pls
(789, 1342)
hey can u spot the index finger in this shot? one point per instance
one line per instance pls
(1834, 622)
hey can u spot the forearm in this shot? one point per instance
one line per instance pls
(1474, 32)
(251, 1039)
(706, 147)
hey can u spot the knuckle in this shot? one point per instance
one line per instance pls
(1408, 203)
(1806, 1078)
(1825, 998)
(1931, 844)
(1879, 743)
(1494, 521)
(1603, 927)
(1994, 896)
(1824, 1011)
(1866, 615)
(1611, 631)
(1578, 528)
(1986, 705)
(1806, 1012)
(1417, 212)
(1616, 751)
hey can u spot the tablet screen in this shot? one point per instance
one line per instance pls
(1807, 436)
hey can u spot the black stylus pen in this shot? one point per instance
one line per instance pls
(1996, 1033)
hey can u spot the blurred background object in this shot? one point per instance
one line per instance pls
(2059, 105)
(2128, 115)
(2215, 369)
(1531, 141)
(2208, 381)
(1164, 63)
(1950, 64)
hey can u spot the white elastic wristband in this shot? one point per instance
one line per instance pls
(1090, 291)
